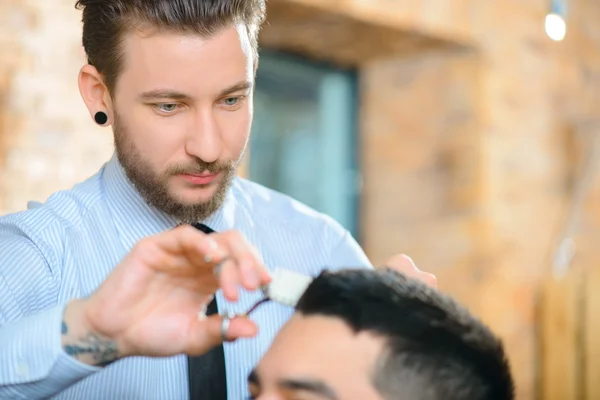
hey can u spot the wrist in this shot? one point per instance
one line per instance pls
(82, 340)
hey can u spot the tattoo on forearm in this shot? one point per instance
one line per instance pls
(102, 351)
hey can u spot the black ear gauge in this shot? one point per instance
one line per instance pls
(101, 118)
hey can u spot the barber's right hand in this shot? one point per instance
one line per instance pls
(149, 304)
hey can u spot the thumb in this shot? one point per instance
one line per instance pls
(207, 333)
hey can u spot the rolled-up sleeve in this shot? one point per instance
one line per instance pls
(32, 361)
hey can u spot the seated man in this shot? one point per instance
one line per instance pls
(366, 335)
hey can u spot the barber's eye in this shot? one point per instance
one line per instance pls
(231, 101)
(168, 108)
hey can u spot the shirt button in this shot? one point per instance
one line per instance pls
(22, 370)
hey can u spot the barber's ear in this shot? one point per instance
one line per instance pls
(95, 94)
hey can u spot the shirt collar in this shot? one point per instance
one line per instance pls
(135, 219)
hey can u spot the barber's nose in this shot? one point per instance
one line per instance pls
(204, 140)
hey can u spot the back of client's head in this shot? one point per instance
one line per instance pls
(429, 347)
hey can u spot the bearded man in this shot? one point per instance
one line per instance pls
(101, 286)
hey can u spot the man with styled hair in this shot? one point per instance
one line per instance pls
(113, 289)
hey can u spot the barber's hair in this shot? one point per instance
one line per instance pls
(106, 21)
(434, 348)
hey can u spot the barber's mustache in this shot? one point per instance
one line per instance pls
(200, 167)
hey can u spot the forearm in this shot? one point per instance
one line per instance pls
(33, 363)
(80, 341)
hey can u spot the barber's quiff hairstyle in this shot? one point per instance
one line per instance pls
(435, 349)
(106, 21)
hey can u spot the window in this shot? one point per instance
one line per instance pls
(304, 137)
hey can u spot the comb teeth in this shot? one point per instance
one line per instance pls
(287, 287)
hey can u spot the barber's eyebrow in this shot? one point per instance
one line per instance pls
(243, 85)
(180, 96)
(164, 94)
(308, 385)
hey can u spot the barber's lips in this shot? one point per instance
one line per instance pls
(202, 179)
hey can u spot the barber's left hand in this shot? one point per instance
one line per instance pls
(405, 265)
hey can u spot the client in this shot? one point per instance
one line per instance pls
(366, 335)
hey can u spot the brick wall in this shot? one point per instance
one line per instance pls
(49, 141)
(466, 155)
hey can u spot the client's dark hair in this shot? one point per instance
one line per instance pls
(435, 349)
(106, 21)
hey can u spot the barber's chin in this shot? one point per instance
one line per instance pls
(196, 194)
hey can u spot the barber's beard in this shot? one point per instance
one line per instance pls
(154, 187)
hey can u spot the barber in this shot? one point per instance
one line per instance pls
(103, 286)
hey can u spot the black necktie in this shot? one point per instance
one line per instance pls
(206, 373)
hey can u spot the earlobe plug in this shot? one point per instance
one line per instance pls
(101, 118)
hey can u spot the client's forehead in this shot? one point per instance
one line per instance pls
(325, 334)
(325, 349)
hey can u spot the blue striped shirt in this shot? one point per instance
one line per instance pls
(64, 248)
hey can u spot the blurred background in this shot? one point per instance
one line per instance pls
(461, 132)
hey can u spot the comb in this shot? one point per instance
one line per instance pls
(286, 287)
